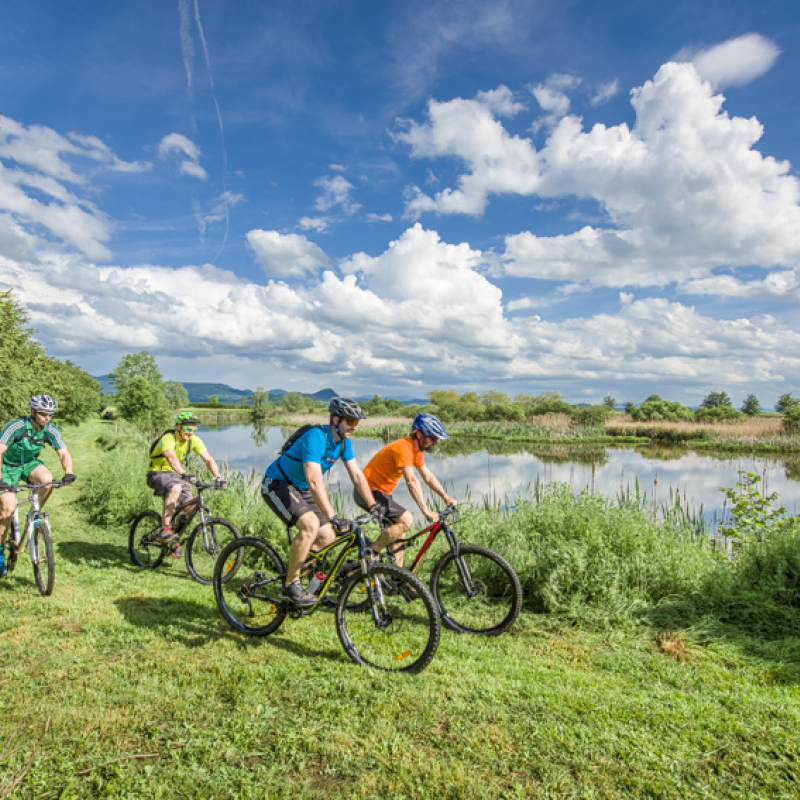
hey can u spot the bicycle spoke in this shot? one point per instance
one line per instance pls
(247, 582)
(143, 541)
(203, 547)
(477, 591)
(394, 633)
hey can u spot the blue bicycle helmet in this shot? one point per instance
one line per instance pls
(428, 425)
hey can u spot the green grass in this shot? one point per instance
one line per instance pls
(149, 694)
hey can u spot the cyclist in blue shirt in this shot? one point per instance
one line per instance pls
(21, 442)
(294, 489)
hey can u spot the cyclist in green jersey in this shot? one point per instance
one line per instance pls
(21, 442)
(167, 475)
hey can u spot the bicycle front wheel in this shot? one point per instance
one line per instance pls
(477, 590)
(203, 548)
(248, 577)
(399, 630)
(143, 541)
(44, 566)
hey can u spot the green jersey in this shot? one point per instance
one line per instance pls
(24, 442)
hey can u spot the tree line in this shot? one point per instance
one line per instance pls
(26, 370)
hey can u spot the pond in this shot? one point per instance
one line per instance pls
(500, 471)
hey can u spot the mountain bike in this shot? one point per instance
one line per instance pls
(35, 536)
(202, 547)
(398, 629)
(477, 590)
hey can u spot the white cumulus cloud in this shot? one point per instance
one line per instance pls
(736, 62)
(285, 255)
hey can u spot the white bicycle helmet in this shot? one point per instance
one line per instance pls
(45, 403)
(345, 407)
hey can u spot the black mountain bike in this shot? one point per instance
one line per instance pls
(394, 626)
(203, 546)
(477, 590)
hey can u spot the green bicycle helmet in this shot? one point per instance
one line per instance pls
(186, 418)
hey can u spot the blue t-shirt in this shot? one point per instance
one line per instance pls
(315, 445)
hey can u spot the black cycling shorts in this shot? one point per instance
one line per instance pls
(289, 502)
(392, 511)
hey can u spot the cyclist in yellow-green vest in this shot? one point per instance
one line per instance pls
(21, 442)
(167, 475)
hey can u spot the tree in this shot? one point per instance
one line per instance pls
(144, 404)
(213, 399)
(25, 370)
(261, 404)
(717, 399)
(176, 394)
(140, 390)
(785, 402)
(136, 365)
(655, 409)
(751, 405)
(294, 402)
(610, 402)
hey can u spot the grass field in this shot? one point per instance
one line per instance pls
(128, 684)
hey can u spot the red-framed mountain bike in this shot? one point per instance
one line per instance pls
(477, 590)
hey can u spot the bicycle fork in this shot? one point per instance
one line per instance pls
(461, 565)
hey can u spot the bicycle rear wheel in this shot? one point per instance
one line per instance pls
(44, 565)
(481, 594)
(202, 550)
(400, 629)
(143, 541)
(247, 582)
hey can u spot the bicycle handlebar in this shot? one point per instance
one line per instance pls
(32, 487)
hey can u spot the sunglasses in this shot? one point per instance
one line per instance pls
(189, 430)
(353, 423)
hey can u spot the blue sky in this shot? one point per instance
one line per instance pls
(396, 197)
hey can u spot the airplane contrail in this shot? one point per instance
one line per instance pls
(221, 128)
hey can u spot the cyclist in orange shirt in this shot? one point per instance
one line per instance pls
(399, 459)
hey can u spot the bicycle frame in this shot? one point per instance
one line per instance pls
(433, 531)
(348, 542)
(199, 505)
(35, 515)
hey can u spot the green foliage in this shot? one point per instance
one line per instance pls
(752, 516)
(610, 402)
(176, 394)
(589, 558)
(294, 403)
(785, 402)
(716, 400)
(262, 407)
(213, 400)
(25, 370)
(718, 413)
(751, 405)
(655, 409)
(591, 416)
(141, 391)
(791, 421)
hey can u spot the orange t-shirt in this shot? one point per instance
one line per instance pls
(386, 466)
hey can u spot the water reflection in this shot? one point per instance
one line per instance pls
(498, 471)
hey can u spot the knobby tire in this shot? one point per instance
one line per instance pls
(406, 635)
(202, 552)
(498, 599)
(144, 549)
(44, 565)
(248, 577)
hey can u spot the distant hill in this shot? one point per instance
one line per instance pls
(200, 392)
